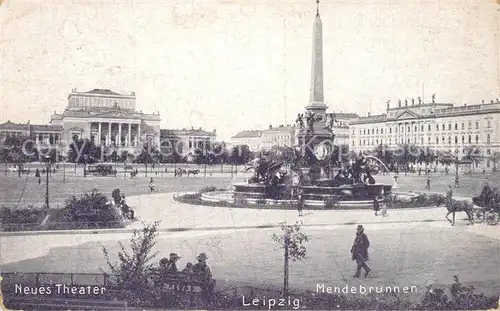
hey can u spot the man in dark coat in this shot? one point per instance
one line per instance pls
(359, 251)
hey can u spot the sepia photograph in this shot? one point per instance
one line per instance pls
(250, 155)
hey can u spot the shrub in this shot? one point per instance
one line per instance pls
(91, 207)
(30, 214)
(331, 201)
(208, 189)
(261, 202)
(462, 298)
(134, 270)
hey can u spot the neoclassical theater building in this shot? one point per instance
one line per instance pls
(107, 118)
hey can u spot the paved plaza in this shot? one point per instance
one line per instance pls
(409, 247)
(400, 255)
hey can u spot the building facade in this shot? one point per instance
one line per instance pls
(253, 139)
(41, 134)
(108, 119)
(341, 127)
(439, 126)
(281, 136)
(186, 141)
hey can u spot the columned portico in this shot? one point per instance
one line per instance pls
(123, 134)
(129, 142)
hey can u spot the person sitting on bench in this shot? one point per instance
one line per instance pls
(202, 272)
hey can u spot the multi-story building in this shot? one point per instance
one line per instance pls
(186, 141)
(43, 134)
(281, 136)
(341, 127)
(107, 118)
(439, 126)
(253, 139)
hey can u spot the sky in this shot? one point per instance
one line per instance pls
(241, 65)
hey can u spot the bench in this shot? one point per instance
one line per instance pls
(179, 282)
(51, 303)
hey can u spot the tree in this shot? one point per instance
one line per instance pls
(292, 242)
(446, 157)
(474, 155)
(495, 158)
(134, 268)
(240, 154)
(147, 155)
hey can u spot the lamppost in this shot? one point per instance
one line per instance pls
(47, 158)
(64, 170)
(456, 171)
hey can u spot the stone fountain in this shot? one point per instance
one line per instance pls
(309, 170)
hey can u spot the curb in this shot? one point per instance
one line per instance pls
(268, 226)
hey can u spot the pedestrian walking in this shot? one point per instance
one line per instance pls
(428, 183)
(359, 251)
(385, 202)
(376, 205)
(300, 201)
(151, 185)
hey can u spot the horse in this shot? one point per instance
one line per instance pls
(455, 206)
(194, 172)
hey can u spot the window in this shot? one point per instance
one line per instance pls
(409, 129)
(422, 128)
(415, 128)
(429, 127)
(463, 139)
(377, 142)
(364, 132)
(408, 140)
(488, 123)
(390, 130)
(477, 125)
(422, 140)
(477, 139)
(353, 142)
(470, 139)
(364, 142)
(381, 131)
(429, 140)
(390, 140)
(449, 139)
(360, 132)
(469, 125)
(449, 126)
(488, 139)
(488, 151)
(360, 142)
(456, 126)
(373, 131)
(456, 139)
(442, 138)
(443, 127)
(463, 126)
(437, 140)
(376, 131)
(437, 127)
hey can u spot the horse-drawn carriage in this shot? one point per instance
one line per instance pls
(489, 206)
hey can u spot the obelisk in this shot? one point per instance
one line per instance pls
(315, 138)
(316, 96)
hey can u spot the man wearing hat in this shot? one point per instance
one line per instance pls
(171, 266)
(203, 273)
(359, 251)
